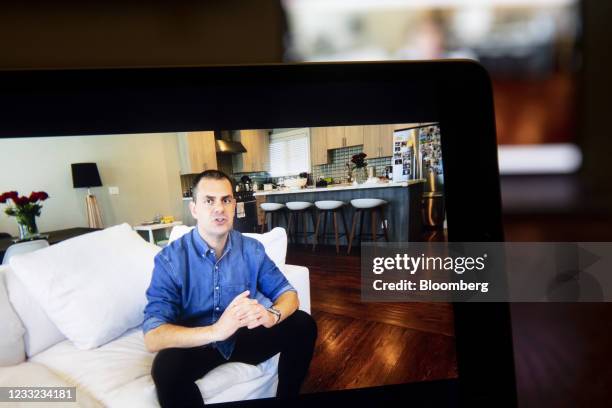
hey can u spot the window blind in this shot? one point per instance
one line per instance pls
(290, 153)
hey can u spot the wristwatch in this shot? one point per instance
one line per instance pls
(276, 313)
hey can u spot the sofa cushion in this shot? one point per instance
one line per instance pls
(31, 374)
(40, 332)
(178, 231)
(93, 286)
(274, 241)
(118, 373)
(299, 278)
(11, 340)
(275, 244)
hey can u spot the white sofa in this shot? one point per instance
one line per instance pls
(45, 315)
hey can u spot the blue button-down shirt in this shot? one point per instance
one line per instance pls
(191, 288)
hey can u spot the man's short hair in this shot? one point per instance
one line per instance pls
(209, 174)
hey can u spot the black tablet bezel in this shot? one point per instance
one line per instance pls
(455, 93)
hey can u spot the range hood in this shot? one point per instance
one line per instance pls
(225, 145)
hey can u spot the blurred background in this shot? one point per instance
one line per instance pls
(549, 62)
(530, 48)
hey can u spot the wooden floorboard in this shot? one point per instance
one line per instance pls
(370, 344)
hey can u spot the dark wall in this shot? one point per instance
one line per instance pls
(596, 99)
(60, 34)
(562, 350)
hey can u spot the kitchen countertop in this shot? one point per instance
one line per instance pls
(402, 212)
(335, 187)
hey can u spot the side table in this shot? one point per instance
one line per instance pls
(53, 237)
(150, 228)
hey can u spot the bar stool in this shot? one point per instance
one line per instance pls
(299, 208)
(271, 209)
(330, 207)
(371, 206)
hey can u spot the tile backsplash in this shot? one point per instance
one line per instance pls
(336, 168)
(259, 177)
(339, 157)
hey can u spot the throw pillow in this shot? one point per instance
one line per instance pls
(93, 286)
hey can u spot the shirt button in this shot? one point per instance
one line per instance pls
(216, 267)
(216, 288)
(217, 308)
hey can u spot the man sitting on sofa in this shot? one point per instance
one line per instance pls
(207, 303)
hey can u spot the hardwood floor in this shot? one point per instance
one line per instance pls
(370, 344)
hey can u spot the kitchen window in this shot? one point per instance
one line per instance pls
(289, 152)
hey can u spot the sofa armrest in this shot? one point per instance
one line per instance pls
(12, 347)
(299, 277)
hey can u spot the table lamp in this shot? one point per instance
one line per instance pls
(87, 175)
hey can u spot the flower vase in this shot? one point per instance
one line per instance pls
(27, 226)
(360, 174)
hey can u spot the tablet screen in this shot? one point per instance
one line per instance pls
(330, 189)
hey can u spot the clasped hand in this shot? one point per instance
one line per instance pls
(242, 312)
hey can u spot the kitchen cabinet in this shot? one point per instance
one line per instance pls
(378, 139)
(318, 146)
(256, 159)
(353, 135)
(335, 137)
(344, 136)
(371, 141)
(259, 145)
(385, 140)
(197, 152)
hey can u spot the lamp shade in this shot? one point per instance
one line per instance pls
(85, 175)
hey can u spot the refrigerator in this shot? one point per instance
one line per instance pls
(430, 151)
(417, 154)
(404, 155)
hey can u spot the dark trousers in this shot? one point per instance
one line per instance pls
(175, 370)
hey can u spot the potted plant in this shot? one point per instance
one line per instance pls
(360, 168)
(25, 210)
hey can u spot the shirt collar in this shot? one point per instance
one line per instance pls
(204, 249)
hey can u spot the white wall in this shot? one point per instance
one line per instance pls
(145, 167)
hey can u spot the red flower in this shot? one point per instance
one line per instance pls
(8, 195)
(34, 197)
(38, 195)
(21, 201)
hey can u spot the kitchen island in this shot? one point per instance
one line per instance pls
(403, 211)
